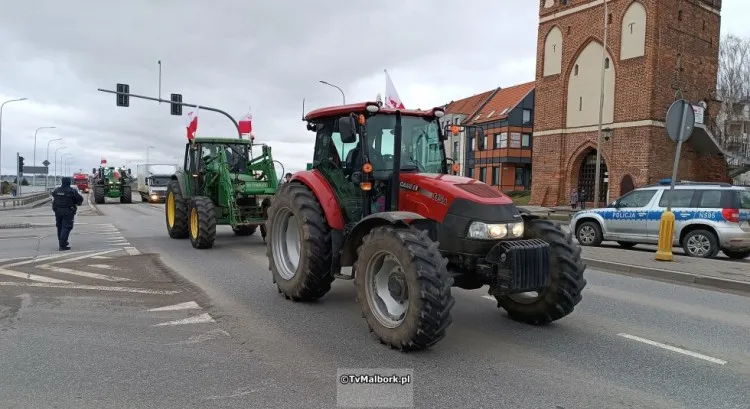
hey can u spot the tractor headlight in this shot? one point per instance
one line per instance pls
(495, 231)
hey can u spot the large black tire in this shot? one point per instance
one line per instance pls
(98, 194)
(566, 278)
(736, 254)
(311, 278)
(428, 286)
(245, 230)
(178, 227)
(127, 195)
(202, 222)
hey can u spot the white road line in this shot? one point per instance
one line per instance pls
(82, 273)
(101, 257)
(673, 349)
(3, 260)
(85, 256)
(73, 286)
(48, 257)
(125, 243)
(199, 319)
(21, 238)
(104, 266)
(32, 277)
(132, 251)
(190, 305)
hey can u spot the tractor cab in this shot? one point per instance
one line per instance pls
(211, 156)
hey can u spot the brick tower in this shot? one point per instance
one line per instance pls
(655, 50)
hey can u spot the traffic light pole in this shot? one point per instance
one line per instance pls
(18, 174)
(202, 107)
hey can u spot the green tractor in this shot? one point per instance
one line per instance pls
(221, 183)
(112, 182)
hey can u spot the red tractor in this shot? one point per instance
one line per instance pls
(411, 231)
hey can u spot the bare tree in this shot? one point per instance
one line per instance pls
(733, 85)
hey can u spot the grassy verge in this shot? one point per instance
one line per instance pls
(520, 197)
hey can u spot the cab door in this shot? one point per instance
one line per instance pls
(684, 202)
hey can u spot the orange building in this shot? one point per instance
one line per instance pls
(503, 157)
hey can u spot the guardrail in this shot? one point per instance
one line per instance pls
(12, 202)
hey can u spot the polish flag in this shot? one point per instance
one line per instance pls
(103, 162)
(392, 100)
(192, 125)
(246, 124)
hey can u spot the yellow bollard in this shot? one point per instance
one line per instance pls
(666, 233)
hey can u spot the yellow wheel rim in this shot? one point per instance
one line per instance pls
(170, 209)
(194, 223)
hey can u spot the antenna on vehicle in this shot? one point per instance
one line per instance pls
(303, 109)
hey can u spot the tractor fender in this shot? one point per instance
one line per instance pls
(179, 176)
(316, 182)
(363, 227)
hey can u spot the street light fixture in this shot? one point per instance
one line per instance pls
(35, 133)
(65, 161)
(1, 130)
(63, 147)
(343, 96)
(607, 134)
(46, 159)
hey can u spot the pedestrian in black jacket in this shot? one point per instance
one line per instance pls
(65, 202)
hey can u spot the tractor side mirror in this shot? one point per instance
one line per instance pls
(347, 127)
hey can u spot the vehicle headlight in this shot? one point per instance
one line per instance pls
(494, 231)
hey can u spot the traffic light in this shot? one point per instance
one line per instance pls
(176, 109)
(123, 100)
(20, 164)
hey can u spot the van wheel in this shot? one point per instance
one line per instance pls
(700, 243)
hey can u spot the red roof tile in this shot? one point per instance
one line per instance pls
(502, 102)
(468, 106)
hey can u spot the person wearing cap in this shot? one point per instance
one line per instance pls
(65, 202)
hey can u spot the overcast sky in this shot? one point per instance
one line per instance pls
(237, 54)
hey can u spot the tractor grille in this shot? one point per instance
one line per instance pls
(480, 189)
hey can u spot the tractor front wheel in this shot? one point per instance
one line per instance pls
(566, 279)
(98, 194)
(202, 223)
(403, 288)
(176, 211)
(127, 195)
(299, 244)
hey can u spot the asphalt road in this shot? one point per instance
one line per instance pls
(631, 343)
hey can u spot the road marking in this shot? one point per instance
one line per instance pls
(82, 273)
(21, 238)
(489, 297)
(32, 277)
(91, 287)
(104, 266)
(132, 251)
(214, 333)
(673, 349)
(199, 319)
(48, 257)
(181, 306)
(3, 260)
(85, 256)
(101, 257)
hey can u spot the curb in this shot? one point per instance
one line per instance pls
(92, 206)
(15, 225)
(669, 275)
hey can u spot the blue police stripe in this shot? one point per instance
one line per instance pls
(653, 215)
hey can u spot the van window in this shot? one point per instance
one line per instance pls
(636, 198)
(680, 198)
(710, 199)
(745, 199)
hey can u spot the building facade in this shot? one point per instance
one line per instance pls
(456, 113)
(655, 52)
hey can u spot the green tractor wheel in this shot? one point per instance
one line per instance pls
(202, 223)
(176, 211)
(127, 195)
(99, 194)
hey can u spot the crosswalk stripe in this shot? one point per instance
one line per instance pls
(32, 277)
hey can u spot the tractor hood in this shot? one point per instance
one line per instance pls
(441, 195)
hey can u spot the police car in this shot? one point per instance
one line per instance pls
(709, 217)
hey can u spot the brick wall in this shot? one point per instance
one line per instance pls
(645, 87)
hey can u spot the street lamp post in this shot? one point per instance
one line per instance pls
(65, 162)
(34, 155)
(56, 160)
(601, 112)
(46, 177)
(1, 131)
(343, 96)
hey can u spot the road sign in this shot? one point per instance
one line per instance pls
(38, 170)
(680, 120)
(46, 163)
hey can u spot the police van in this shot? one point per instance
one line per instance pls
(709, 217)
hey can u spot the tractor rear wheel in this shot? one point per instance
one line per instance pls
(127, 195)
(98, 194)
(403, 288)
(202, 223)
(176, 210)
(299, 244)
(566, 279)
(245, 230)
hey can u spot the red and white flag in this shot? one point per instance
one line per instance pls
(392, 100)
(192, 123)
(246, 124)
(103, 162)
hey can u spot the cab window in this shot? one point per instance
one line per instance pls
(636, 198)
(745, 199)
(680, 198)
(341, 147)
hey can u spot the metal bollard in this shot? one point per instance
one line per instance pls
(666, 233)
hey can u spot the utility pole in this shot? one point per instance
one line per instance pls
(601, 113)
(33, 183)
(159, 62)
